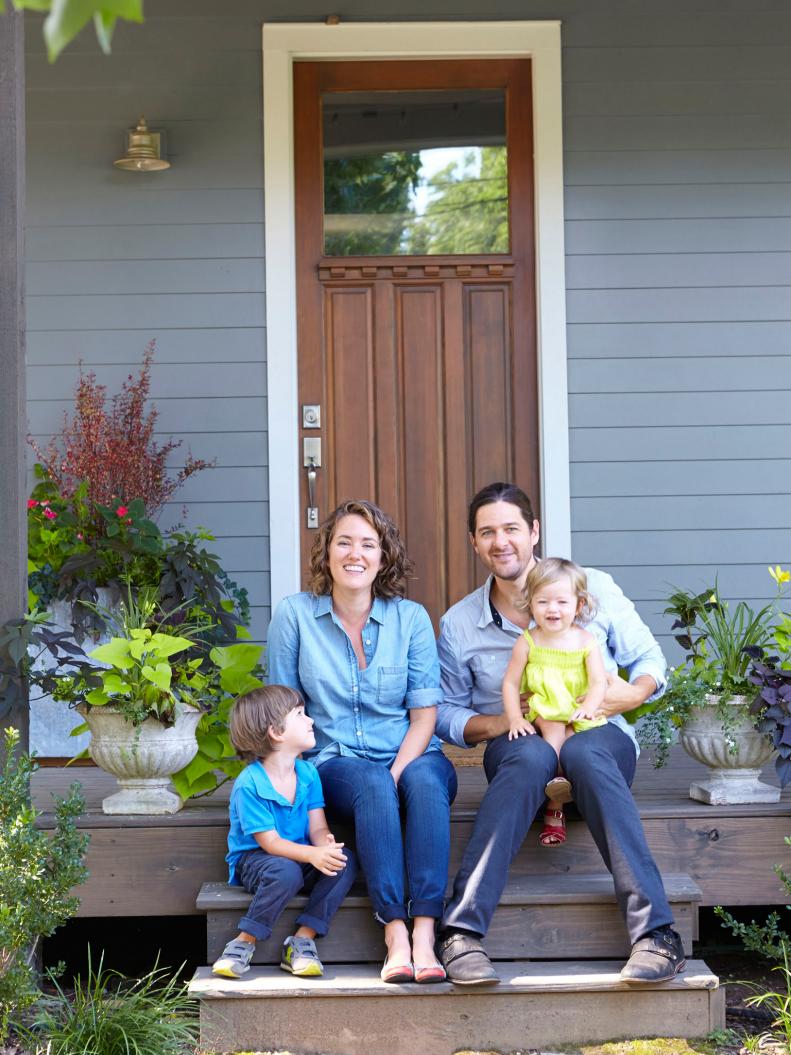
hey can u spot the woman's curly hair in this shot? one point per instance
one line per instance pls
(395, 568)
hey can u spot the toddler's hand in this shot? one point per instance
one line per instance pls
(585, 712)
(520, 727)
(328, 859)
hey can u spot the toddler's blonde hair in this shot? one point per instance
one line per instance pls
(550, 570)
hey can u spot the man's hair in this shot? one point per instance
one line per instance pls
(500, 492)
(391, 578)
(549, 570)
(255, 713)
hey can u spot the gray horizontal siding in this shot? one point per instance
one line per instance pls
(677, 141)
(117, 258)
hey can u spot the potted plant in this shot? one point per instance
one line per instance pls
(711, 696)
(160, 698)
(770, 673)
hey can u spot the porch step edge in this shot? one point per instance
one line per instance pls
(543, 890)
(529, 977)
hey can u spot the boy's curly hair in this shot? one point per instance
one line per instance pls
(391, 578)
(255, 713)
(549, 570)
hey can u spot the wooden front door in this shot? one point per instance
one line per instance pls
(416, 296)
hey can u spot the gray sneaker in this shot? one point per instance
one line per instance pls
(299, 957)
(235, 959)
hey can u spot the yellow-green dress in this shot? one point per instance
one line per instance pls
(556, 679)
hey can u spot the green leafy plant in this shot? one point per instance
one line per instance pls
(67, 18)
(778, 1003)
(38, 871)
(151, 672)
(108, 1014)
(720, 643)
(769, 939)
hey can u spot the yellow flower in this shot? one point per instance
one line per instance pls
(779, 575)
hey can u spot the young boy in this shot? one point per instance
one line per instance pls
(279, 842)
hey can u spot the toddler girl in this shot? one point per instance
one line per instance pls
(559, 665)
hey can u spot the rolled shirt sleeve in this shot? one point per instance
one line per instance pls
(423, 676)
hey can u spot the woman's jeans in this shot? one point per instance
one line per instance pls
(363, 791)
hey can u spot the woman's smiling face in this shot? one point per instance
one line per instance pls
(355, 553)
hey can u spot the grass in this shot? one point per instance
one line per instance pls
(108, 1014)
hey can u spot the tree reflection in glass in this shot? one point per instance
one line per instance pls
(415, 173)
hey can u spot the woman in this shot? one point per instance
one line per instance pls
(365, 661)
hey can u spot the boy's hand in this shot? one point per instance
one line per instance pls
(328, 859)
(520, 727)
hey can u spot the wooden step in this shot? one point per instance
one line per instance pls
(536, 1005)
(539, 917)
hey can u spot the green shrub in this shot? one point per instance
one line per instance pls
(108, 1014)
(37, 874)
(768, 939)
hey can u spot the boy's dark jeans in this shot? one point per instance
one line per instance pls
(273, 881)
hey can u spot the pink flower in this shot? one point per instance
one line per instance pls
(44, 501)
(79, 536)
(50, 514)
(31, 503)
(121, 511)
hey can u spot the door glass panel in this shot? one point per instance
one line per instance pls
(414, 173)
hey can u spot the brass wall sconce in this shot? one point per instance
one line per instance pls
(143, 150)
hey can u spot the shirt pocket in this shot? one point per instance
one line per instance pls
(488, 670)
(392, 686)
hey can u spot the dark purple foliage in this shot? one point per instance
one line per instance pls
(773, 706)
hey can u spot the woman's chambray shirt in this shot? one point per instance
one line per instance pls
(356, 712)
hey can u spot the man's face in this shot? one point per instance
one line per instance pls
(504, 540)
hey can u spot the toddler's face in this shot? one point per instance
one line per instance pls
(298, 732)
(554, 606)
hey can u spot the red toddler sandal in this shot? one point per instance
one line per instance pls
(553, 834)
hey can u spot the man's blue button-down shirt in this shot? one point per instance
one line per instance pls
(474, 653)
(356, 712)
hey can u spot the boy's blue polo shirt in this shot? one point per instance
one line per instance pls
(256, 807)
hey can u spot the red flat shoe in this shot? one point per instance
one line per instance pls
(429, 975)
(398, 973)
(553, 834)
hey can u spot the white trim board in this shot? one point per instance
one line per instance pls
(285, 43)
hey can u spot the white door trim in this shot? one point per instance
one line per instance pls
(285, 43)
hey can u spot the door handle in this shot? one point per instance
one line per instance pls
(311, 460)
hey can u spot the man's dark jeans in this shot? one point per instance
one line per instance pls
(600, 764)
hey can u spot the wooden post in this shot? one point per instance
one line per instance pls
(13, 526)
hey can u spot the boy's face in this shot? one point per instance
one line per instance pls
(297, 734)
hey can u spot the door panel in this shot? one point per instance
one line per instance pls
(424, 365)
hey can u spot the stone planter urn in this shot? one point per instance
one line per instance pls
(141, 758)
(734, 777)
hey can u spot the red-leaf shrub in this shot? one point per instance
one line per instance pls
(114, 450)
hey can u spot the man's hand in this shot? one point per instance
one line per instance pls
(328, 859)
(621, 696)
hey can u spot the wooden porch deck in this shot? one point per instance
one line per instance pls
(149, 866)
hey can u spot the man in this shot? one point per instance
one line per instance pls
(475, 643)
